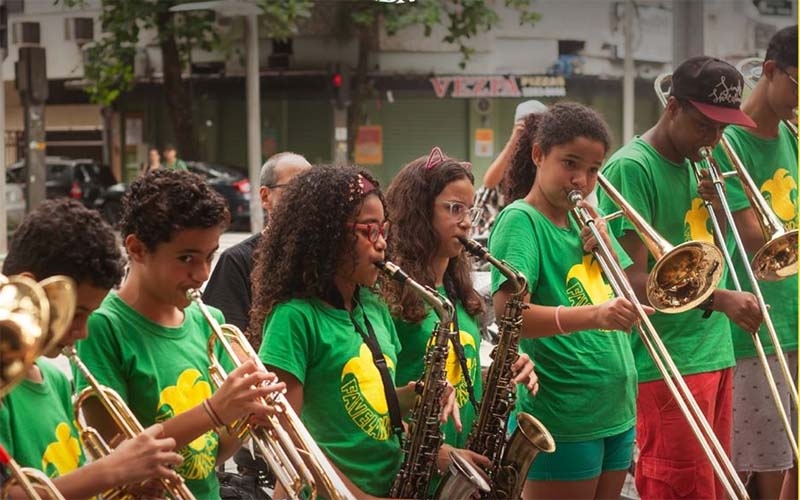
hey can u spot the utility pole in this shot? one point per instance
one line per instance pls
(629, 72)
(31, 73)
(3, 54)
(688, 19)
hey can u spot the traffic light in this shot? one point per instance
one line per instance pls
(339, 82)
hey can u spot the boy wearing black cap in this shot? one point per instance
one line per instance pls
(654, 174)
(769, 153)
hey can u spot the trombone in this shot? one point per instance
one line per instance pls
(127, 424)
(29, 326)
(775, 260)
(751, 69)
(708, 441)
(294, 457)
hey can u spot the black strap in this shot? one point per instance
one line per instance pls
(380, 363)
(458, 347)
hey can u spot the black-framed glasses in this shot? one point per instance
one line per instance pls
(458, 211)
(372, 230)
(790, 77)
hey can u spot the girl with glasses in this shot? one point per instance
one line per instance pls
(322, 325)
(430, 207)
(573, 329)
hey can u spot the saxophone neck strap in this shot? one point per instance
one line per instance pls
(389, 391)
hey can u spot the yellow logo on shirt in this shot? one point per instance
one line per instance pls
(199, 456)
(454, 373)
(363, 395)
(695, 223)
(63, 455)
(781, 193)
(585, 283)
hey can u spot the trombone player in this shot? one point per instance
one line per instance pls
(36, 417)
(768, 150)
(654, 174)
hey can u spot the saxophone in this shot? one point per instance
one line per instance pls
(511, 457)
(424, 431)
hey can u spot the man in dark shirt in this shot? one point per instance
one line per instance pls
(229, 286)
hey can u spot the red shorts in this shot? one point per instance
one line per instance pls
(671, 462)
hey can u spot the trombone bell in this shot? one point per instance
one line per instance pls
(777, 259)
(684, 277)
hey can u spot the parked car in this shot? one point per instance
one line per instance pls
(85, 180)
(233, 185)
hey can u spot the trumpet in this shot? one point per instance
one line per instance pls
(31, 481)
(26, 332)
(292, 454)
(775, 260)
(661, 358)
(128, 426)
(24, 328)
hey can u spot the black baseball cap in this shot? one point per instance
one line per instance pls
(714, 87)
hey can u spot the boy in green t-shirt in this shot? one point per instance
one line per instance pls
(62, 237)
(769, 153)
(149, 342)
(654, 175)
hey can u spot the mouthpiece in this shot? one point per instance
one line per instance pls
(474, 247)
(392, 270)
(574, 196)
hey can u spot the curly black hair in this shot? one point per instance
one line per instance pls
(412, 239)
(782, 47)
(560, 124)
(62, 236)
(165, 201)
(306, 239)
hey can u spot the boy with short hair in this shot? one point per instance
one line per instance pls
(653, 172)
(62, 237)
(769, 153)
(149, 340)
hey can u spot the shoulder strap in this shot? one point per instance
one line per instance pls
(386, 378)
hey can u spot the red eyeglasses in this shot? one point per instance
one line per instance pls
(372, 230)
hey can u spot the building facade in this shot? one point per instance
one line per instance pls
(419, 96)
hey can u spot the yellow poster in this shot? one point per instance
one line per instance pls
(484, 142)
(369, 145)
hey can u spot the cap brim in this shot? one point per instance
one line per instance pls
(724, 115)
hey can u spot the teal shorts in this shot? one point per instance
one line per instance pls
(581, 460)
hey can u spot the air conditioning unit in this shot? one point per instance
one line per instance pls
(25, 33)
(79, 29)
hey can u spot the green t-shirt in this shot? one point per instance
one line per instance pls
(665, 195)
(178, 165)
(37, 425)
(159, 372)
(587, 379)
(344, 403)
(411, 362)
(772, 163)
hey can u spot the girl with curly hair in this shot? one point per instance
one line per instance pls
(323, 328)
(430, 207)
(574, 328)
